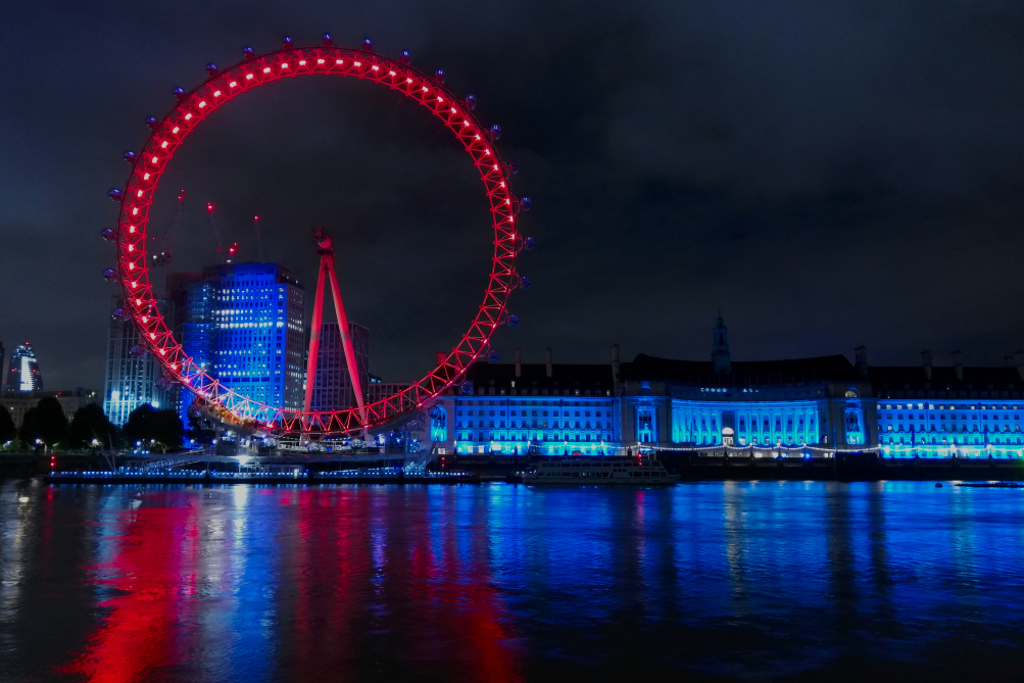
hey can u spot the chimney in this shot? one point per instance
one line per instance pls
(860, 355)
(1018, 360)
(548, 362)
(615, 364)
(926, 364)
(519, 363)
(958, 365)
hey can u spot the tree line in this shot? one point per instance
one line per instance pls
(46, 426)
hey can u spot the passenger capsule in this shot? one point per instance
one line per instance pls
(495, 132)
(138, 350)
(114, 194)
(525, 204)
(511, 167)
(163, 384)
(129, 156)
(405, 57)
(119, 314)
(248, 52)
(524, 282)
(493, 356)
(109, 234)
(328, 40)
(513, 321)
(110, 275)
(367, 44)
(529, 244)
(211, 69)
(179, 93)
(471, 102)
(287, 42)
(151, 122)
(439, 76)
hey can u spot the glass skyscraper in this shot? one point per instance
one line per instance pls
(23, 373)
(132, 374)
(243, 323)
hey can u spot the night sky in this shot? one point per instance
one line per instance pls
(828, 174)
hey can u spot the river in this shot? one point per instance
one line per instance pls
(758, 581)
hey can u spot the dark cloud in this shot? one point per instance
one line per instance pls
(828, 174)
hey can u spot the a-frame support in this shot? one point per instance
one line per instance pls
(326, 252)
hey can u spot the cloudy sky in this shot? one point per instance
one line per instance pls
(827, 174)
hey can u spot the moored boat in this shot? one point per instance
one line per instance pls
(600, 471)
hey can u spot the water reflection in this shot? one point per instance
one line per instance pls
(734, 581)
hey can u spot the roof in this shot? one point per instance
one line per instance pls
(835, 368)
(563, 375)
(900, 378)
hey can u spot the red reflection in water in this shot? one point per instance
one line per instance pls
(358, 579)
(457, 583)
(139, 633)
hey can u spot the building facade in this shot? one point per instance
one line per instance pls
(18, 403)
(23, 372)
(332, 387)
(951, 412)
(378, 389)
(243, 323)
(515, 409)
(132, 377)
(806, 406)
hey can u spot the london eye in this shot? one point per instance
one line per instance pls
(224, 85)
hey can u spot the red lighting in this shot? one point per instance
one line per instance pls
(208, 98)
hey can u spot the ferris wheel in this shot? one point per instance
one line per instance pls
(221, 87)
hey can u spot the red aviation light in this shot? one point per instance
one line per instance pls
(209, 207)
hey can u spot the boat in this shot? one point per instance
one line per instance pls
(992, 484)
(600, 471)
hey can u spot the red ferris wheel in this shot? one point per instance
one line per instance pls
(222, 86)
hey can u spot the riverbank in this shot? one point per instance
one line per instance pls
(690, 467)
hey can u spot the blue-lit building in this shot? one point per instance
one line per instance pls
(805, 406)
(818, 404)
(515, 409)
(23, 372)
(761, 405)
(950, 412)
(243, 323)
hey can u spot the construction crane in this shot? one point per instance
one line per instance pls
(222, 257)
(259, 238)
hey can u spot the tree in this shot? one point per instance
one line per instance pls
(146, 424)
(8, 432)
(90, 423)
(46, 422)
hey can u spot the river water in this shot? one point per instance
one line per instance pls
(757, 581)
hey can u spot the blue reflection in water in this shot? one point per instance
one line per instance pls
(735, 581)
